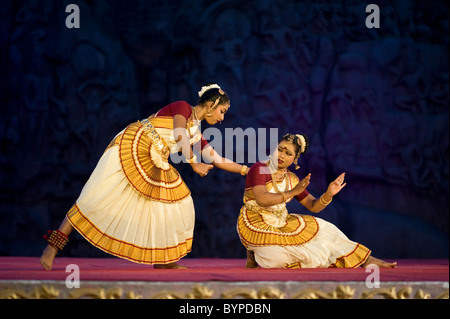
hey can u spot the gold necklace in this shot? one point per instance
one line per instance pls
(195, 113)
(281, 177)
(273, 170)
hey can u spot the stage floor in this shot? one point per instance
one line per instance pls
(23, 277)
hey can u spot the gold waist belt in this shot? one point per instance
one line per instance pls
(157, 140)
(258, 209)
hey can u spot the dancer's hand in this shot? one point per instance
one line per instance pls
(301, 186)
(336, 185)
(201, 169)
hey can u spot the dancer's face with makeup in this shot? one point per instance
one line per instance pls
(218, 114)
(285, 154)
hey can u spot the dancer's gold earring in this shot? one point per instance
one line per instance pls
(208, 114)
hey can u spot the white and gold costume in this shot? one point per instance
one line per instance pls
(135, 204)
(282, 240)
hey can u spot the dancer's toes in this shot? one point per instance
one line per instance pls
(47, 258)
(380, 263)
(169, 266)
(391, 265)
(44, 265)
(385, 264)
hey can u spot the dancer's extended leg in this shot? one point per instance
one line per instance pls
(49, 253)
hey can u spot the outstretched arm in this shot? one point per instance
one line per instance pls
(316, 205)
(218, 161)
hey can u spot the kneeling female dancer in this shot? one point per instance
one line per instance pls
(135, 205)
(276, 239)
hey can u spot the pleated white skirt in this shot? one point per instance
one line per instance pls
(113, 216)
(328, 248)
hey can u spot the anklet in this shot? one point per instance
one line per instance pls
(56, 239)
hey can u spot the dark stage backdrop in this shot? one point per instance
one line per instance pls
(374, 102)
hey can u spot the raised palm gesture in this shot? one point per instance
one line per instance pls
(336, 185)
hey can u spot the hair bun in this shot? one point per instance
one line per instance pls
(208, 87)
(303, 141)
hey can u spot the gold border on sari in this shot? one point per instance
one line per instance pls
(253, 230)
(142, 174)
(122, 249)
(353, 259)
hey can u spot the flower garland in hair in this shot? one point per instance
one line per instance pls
(207, 88)
(302, 141)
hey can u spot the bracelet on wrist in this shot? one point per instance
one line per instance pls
(284, 197)
(192, 159)
(244, 170)
(323, 201)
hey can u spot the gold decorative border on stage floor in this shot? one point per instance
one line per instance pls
(203, 292)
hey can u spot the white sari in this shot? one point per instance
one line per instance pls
(135, 205)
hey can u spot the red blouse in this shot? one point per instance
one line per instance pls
(259, 174)
(178, 107)
(182, 108)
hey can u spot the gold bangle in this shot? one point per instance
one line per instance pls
(192, 159)
(324, 202)
(244, 170)
(284, 197)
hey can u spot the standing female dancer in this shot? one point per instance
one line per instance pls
(276, 239)
(135, 205)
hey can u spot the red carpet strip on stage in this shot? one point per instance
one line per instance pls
(211, 269)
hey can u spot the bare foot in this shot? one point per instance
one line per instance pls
(251, 262)
(380, 263)
(169, 266)
(48, 256)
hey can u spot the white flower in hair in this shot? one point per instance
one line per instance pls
(302, 143)
(207, 88)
